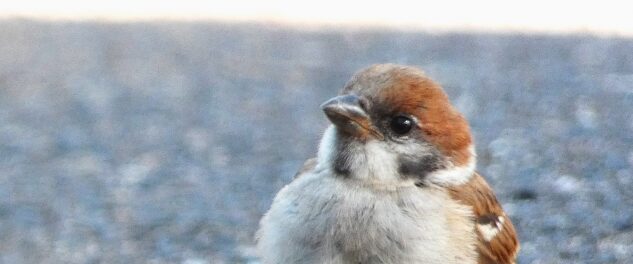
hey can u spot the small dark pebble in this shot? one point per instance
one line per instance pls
(524, 194)
(624, 226)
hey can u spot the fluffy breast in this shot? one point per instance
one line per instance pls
(319, 219)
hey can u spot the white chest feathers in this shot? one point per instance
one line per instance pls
(320, 219)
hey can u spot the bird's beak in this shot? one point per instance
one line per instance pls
(347, 114)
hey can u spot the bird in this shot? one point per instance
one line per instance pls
(393, 181)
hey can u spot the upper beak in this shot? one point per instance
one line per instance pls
(347, 114)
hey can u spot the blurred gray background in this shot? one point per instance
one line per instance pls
(166, 142)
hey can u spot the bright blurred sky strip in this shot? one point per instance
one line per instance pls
(550, 16)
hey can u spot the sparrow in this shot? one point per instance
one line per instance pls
(393, 181)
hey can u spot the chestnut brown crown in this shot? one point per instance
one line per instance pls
(389, 102)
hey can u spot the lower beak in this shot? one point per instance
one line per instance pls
(347, 114)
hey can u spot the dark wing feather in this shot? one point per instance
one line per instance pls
(497, 239)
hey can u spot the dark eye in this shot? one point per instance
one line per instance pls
(401, 125)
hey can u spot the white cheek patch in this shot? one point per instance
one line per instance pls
(327, 147)
(381, 164)
(373, 161)
(454, 175)
(377, 162)
(490, 230)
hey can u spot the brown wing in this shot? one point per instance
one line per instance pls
(308, 165)
(498, 241)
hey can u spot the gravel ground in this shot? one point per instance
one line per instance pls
(165, 142)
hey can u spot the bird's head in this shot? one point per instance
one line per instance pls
(394, 126)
